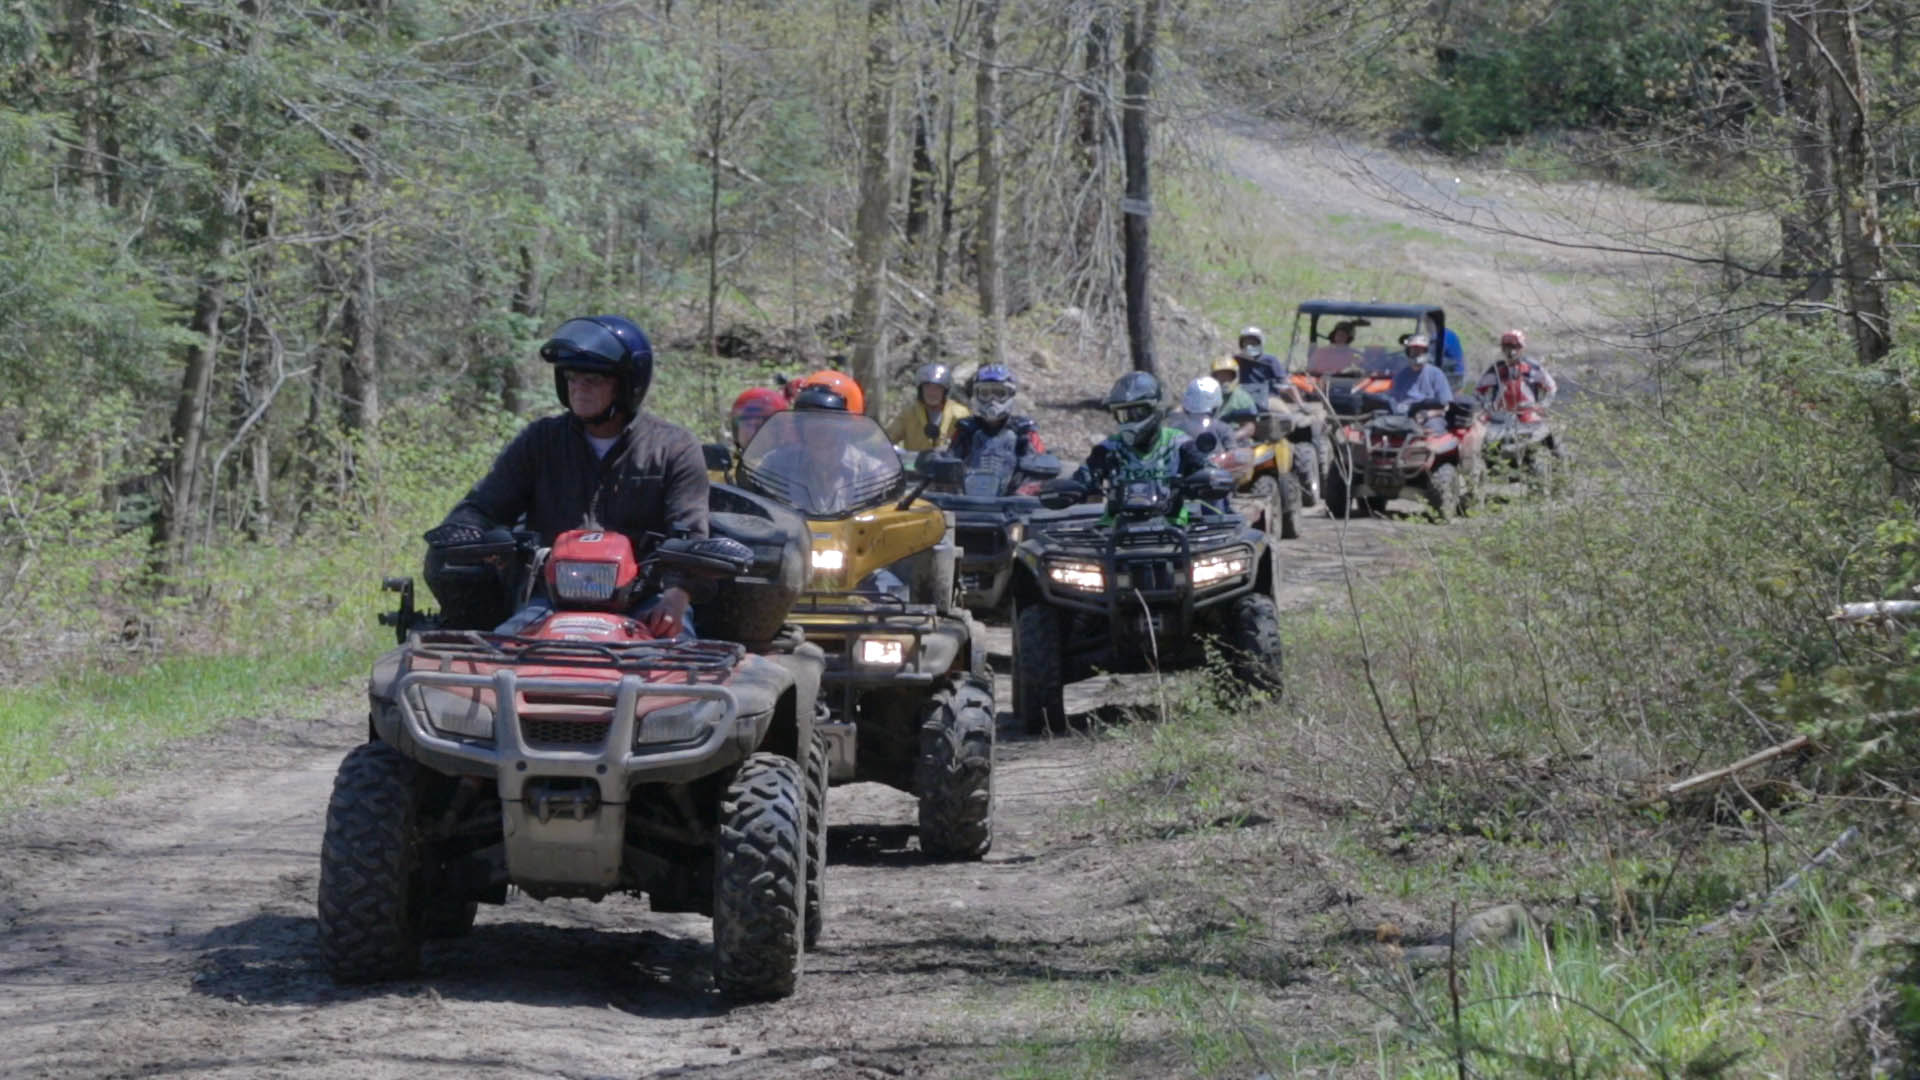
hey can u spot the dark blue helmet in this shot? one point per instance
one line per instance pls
(604, 343)
(994, 373)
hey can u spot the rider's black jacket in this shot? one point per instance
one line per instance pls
(968, 427)
(1110, 455)
(653, 480)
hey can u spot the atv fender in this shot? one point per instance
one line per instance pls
(792, 726)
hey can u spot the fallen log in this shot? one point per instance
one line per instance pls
(1746, 910)
(1876, 610)
(1798, 742)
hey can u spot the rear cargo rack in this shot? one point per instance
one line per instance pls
(696, 658)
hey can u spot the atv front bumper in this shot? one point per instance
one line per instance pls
(564, 794)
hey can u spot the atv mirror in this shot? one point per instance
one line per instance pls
(1043, 466)
(1060, 494)
(716, 557)
(1209, 483)
(1206, 442)
(943, 469)
(719, 458)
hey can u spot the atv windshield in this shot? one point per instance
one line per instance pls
(822, 463)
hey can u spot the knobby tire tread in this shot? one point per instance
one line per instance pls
(759, 885)
(954, 773)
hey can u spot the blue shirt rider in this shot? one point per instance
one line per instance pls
(1418, 381)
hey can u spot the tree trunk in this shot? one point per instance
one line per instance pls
(1862, 244)
(173, 523)
(83, 32)
(986, 106)
(872, 233)
(934, 344)
(1142, 27)
(1760, 31)
(1091, 124)
(716, 133)
(920, 179)
(1806, 230)
(526, 304)
(360, 361)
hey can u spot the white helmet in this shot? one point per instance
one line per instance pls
(1203, 397)
(1259, 342)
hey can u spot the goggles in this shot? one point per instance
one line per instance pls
(993, 392)
(1132, 413)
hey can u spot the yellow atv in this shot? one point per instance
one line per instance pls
(1267, 493)
(907, 684)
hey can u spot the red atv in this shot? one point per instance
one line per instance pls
(582, 757)
(1434, 448)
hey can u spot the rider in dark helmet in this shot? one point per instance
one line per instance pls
(931, 407)
(993, 438)
(602, 461)
(1142, 440)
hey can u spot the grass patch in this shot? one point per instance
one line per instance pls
(1528, 677)
(1578, 1002)
(1231, 254)
(1169, 1025)
(82, 728)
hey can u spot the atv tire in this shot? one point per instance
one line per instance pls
(370, 922)
(444, 917)
(1306, 472)
(1253, 636)
(1445, 493)
(954, 777)
(817, 768)
(1280, 494)
(1337, 492)
(759, 881)
(1039, 698)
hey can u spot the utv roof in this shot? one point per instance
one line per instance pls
(1371, 310)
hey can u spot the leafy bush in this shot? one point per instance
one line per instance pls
(1510, 69)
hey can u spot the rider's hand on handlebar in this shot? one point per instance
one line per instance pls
(454, 534)
(669, 615)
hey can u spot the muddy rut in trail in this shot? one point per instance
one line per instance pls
(170, 931)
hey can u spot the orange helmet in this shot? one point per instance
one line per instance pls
(751, 409)
(840, 383)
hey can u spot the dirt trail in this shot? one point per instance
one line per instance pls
(170, 931)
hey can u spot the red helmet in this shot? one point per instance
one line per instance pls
(753, 406)
(840, 383)
(1513, 338)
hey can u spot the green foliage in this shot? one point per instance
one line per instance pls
(1512, 69)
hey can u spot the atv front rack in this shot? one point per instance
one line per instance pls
(713, 659)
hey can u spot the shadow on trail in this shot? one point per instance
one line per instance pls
(874, 845)
(274, 960)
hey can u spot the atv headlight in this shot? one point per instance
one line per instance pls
(1416, 456)
(1077, 575)
(829, 559)
(451, 713)
(577, 582)
(882, 651)
(688, 721)
(1221, 567)
(1017, 532)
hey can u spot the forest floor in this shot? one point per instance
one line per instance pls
(170, 930)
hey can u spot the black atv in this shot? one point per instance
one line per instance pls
(989, 521)
(1132, 584)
